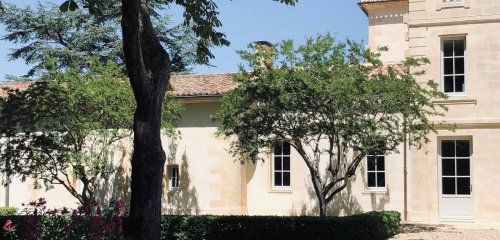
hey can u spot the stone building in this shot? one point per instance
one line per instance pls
(452, 178)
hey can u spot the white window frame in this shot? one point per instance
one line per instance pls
(440, 169)
(273, 170)
(452, 1)
(443, 75)
(173, 177)
(376, 171)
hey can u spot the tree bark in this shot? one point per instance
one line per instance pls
(148, 67)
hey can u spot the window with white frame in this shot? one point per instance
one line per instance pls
(375, 171)
(281, 166)
(456, 167)
(453, 60)
(174, 178)
(451, 1)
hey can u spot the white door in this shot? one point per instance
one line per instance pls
(455, 180)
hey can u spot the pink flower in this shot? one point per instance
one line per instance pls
(97, 221)
(8, 226)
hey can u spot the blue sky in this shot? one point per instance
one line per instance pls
(246, 21)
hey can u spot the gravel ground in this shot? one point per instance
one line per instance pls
(418, 232)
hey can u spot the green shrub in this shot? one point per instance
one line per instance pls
(369, 226)
(8, 211)
(372, 226)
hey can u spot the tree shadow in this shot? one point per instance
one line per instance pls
(184, 200)
(417, 228)
(115, 185)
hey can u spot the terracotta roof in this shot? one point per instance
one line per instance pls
(190, 85)
(196, 85)
(202, 85)
(13, 85)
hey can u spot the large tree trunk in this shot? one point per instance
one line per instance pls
(148, 67)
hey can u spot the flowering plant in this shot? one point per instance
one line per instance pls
(91, 222)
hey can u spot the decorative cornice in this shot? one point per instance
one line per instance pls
(368, 5)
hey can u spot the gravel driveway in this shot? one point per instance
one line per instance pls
(419, 231)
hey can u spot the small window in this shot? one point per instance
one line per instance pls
(281, 166)
(375, 171)
(174, 178)
(451, 1)
(453, 65)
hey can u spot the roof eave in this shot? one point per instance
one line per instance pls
(365, 5)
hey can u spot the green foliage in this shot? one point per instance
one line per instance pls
(369, 226)
(201, 16)
(73, 38)
(92, 221)
(331, 101)
(373, 225)
(72, 126)
(8, 211)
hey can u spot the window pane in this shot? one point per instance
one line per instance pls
(371, 163)
(381, 179)
(381, 163)
(286, 163)
(459, 47)
(371, 179)
(448, 65)
(459, 65)
(286, 179)
(448, 148)
(448, 84)
(463, 149)
(277, 163)
(463, 167)
(448, 167)
(459, 84)
(286, 148)
(277, 149)
(448, 48)
(463, 186)
(448, 185)
(277, 179)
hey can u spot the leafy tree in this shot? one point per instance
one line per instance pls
(74, 38)
(72, 127)
(149, 67)
(332, 102)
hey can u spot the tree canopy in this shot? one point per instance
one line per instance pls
(73, 126)
(333, 102)
(74, 38)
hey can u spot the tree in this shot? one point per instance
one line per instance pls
(74, 38)
(73, 126)
(334, 103)
(149, 67)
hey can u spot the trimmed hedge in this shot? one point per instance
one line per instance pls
(372, 226)
(8, 211)
(369, 226)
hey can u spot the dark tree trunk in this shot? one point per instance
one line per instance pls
(148, 67)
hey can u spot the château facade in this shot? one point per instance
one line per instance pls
(452, 178)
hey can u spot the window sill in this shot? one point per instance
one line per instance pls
(375, 191)
(280, 190)
(173, 190)
(463, 4)
(457, 100)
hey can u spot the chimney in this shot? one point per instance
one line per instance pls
(267, 47)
